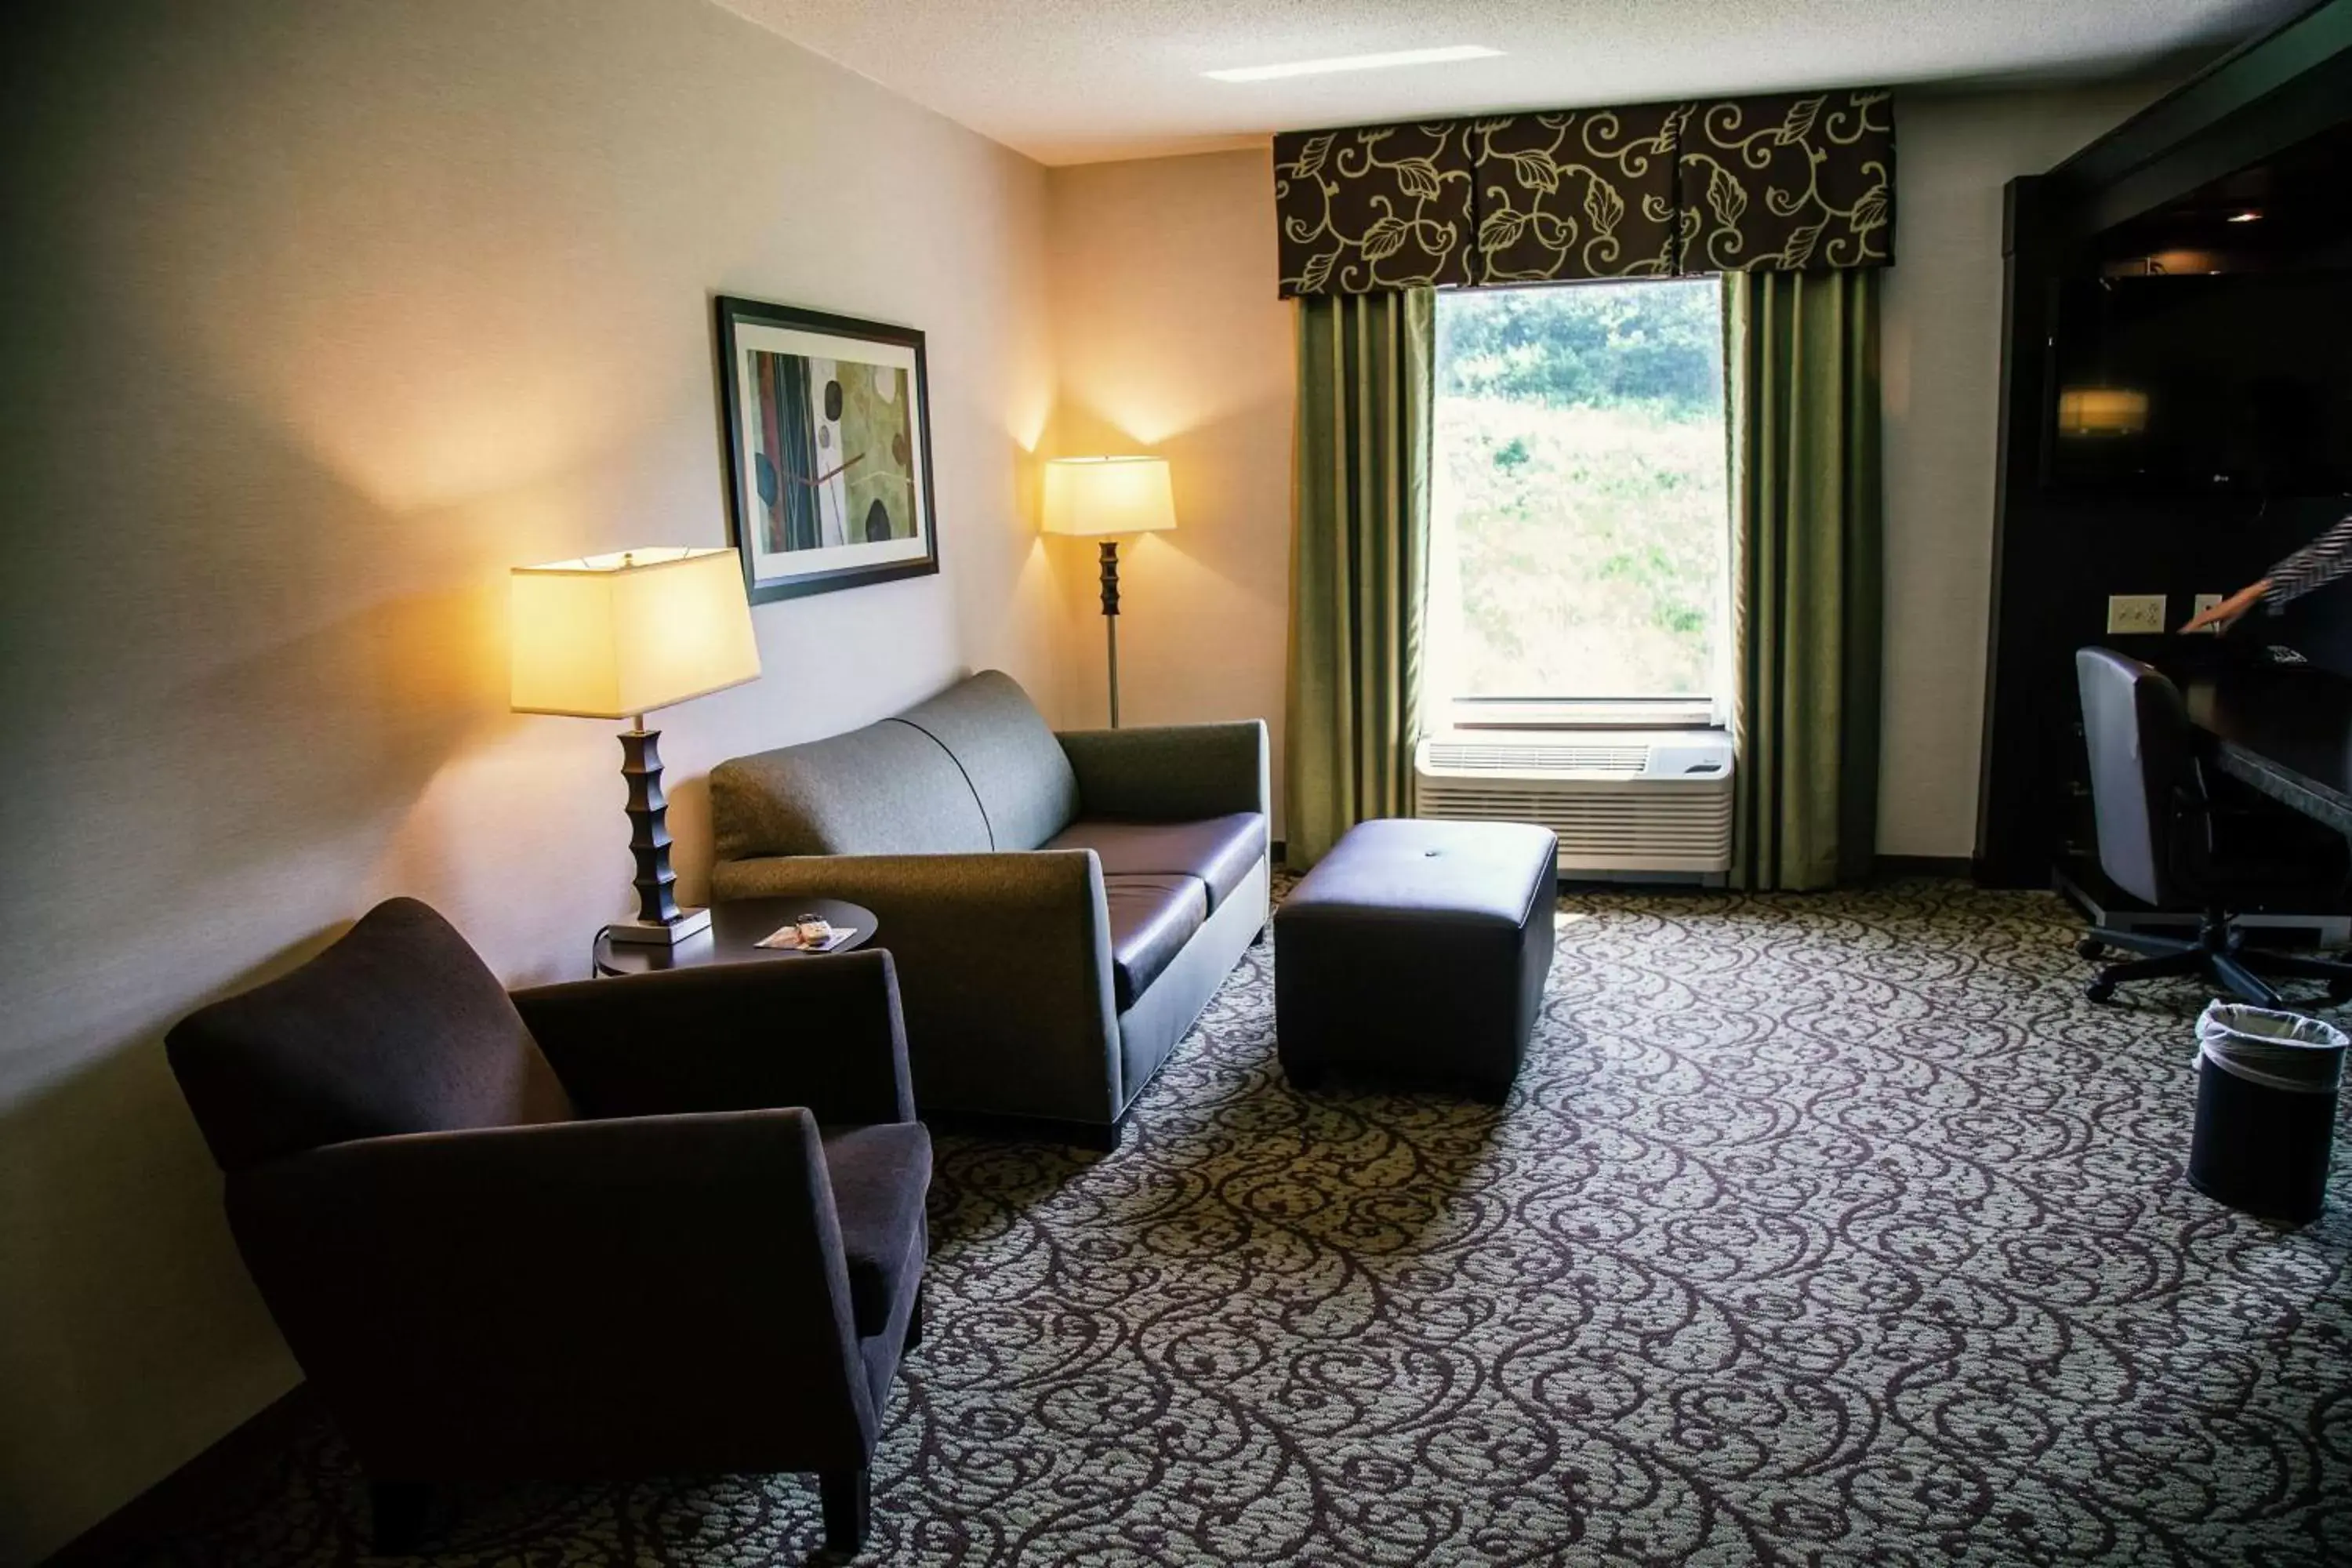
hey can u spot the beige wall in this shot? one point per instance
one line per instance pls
(1169, 338)
(322, 315)
(1942, 367)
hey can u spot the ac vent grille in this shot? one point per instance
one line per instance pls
(1625, 802)
(1488, 756)
(1652, 823)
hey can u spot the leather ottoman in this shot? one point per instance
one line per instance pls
(1417, 950)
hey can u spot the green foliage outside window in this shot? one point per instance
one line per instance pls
(1580, 493)
(1593, 345)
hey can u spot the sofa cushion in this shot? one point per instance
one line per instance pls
(1017, 771)
(887, 789)
(879, 1175)
(397, 1027)
(1219, 850)
(1152, 919)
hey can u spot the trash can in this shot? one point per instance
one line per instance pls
(2266, 1086)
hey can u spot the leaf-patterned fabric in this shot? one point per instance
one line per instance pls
(1583, 194)
(1787, 184)
(1374, 209)
(1790, 183)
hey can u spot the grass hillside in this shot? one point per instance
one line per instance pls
(1589, 543)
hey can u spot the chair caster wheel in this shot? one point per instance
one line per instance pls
(2090, 947)
(2339, 993)
(2100, 990)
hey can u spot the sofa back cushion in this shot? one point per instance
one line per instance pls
(887, 789)
(398, 1027)
(972, 769)
(1018, 771)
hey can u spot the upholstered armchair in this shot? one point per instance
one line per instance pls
(667, 1224)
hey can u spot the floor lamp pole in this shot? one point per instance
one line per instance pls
(1110, 618)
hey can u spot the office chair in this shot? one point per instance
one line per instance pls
(2157, 843)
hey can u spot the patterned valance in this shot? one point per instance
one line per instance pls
(1374, 209)
(1780, 184)
(1785, 183)
(1584, 194)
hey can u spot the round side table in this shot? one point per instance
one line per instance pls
(736, 928)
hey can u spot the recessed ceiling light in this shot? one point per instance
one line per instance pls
(1451, 52)
(2247, 217)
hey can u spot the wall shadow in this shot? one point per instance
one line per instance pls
(113, 1145)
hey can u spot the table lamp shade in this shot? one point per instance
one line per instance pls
(615, 636)
(1108, 495)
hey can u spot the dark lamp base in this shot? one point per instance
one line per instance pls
(662, 933)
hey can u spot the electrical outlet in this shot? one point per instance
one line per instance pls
(2202, 602)
(2135, 614)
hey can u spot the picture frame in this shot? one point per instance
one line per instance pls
(828, 447)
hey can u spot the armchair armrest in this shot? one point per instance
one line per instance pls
(1171, 773)
(582, 1289)
(824, 1033)
(1003, 964)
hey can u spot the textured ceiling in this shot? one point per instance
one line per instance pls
(1073, 81)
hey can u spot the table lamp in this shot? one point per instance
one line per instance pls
(615, 637)
(1098, 497)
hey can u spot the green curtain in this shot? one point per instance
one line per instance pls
(1802, 362)
(1360, 562)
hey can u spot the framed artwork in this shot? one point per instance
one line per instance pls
(828, 450)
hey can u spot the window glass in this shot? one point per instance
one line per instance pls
(1580, 526)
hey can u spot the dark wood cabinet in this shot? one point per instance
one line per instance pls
(2279, 110)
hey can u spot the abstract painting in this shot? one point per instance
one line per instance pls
(828, 442)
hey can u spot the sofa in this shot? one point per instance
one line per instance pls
(1061, 907)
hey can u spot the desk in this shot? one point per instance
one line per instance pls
(2286, 729)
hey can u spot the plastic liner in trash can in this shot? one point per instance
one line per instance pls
(2266, 1086)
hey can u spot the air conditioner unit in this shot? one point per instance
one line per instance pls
(1648, 805)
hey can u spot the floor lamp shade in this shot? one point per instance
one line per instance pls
(614, 636)
(1104, 498)
(1099, 496)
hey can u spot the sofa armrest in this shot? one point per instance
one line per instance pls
(1003, 964)
(824, 1033)
(575, 1290)
(1171, 773)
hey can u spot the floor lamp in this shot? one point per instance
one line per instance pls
(613, 636)
(1102, 498)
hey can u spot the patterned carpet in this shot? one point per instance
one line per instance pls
(1820, 1229)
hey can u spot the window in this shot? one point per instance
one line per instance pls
(1580, 529)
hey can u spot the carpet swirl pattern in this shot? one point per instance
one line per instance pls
(1835, 1228)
